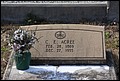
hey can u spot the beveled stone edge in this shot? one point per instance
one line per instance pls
(8, 67)
(55, 4)
(64, 27)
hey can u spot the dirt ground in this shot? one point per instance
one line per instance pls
(112, 42)
(5, 49)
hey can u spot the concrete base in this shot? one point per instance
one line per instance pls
(86, 72)
(62, 72)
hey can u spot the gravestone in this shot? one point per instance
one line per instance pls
(54, 11)
(73, 42)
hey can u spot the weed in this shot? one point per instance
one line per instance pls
(107, 35)
(32, 19)
(4, 49)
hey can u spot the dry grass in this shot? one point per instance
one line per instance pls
(112, 42)
(5, 49)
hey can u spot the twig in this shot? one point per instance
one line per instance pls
(35, 49)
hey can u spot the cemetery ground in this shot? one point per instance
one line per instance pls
(111, 42)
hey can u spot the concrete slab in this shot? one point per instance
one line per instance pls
(71, 72)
